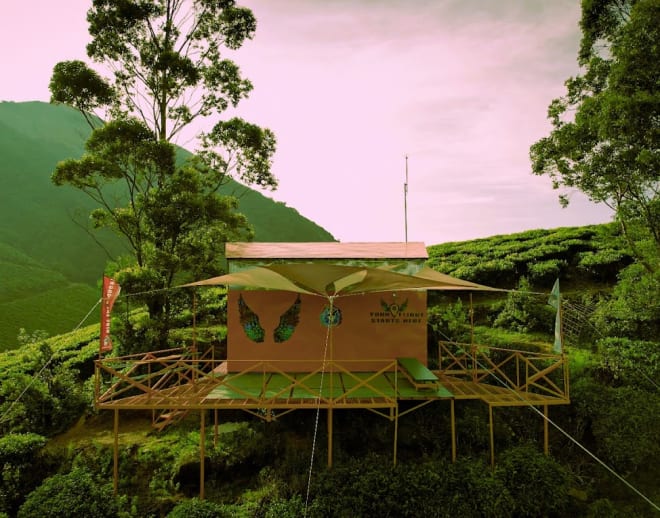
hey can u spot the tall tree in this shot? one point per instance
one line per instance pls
(605, 139)
(167, 70)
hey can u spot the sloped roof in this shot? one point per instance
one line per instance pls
(326, 250)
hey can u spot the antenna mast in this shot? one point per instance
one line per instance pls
(405, 201)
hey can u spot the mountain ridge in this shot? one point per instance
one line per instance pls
(44, 234)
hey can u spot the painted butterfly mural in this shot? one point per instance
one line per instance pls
(254, 331)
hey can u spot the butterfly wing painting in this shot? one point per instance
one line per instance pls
(250, 322)
(288, 322)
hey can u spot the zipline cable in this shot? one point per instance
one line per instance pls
(318, 404)
(34, 377)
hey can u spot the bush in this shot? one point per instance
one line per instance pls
(634, 309)
(195, 508)
(621, 422)
(371, 487)
(76, 493)
(449, 323)
(524, 311)
(629, 362)
(20, 469)
(538, 484)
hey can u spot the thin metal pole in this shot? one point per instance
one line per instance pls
(405, 201)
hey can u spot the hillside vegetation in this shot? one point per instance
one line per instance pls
(50, 263)
(53, 439)
(578, 256)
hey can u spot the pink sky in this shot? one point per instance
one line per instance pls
(350, 87)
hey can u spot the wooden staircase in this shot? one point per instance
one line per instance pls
(168, 417)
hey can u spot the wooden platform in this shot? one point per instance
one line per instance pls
(305, 390)
(497, 396)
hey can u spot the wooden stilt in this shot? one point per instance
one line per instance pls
(215, 428)
(453, 432)
(546, 442)
(492, 437)
(396, 431)
(202, 452)
(115, 454)
(329, 437)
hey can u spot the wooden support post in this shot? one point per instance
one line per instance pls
(215, 427)
(396, 431)
(202, 452)
(330, 437)
(453, 432)
(115, 455)
(546, 442)
(492, 437)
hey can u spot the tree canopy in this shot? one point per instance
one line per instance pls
(165, 59)
(605, 139)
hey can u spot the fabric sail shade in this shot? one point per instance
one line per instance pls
(287, 313)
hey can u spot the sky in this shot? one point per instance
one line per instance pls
(352, 87)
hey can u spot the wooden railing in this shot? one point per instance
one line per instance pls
(524, 371)
(156, 375)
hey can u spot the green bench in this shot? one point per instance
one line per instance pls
(418, 374)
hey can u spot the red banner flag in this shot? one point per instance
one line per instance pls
(110, 293)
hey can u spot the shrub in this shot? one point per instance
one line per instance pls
(621, 422)
(76, 493)
(449, 323)
(629, 362)
(195, 508)
(20, 469)
(634, 309)
(538, 484)
(525, 311)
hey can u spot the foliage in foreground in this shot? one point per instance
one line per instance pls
(76, 493)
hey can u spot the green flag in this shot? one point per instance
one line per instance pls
(555, 302)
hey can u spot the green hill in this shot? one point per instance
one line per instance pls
(46, 250)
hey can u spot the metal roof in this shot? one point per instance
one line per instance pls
(326, 250)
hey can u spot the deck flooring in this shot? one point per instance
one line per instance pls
(303, 390)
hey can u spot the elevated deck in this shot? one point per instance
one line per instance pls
(176, 380)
